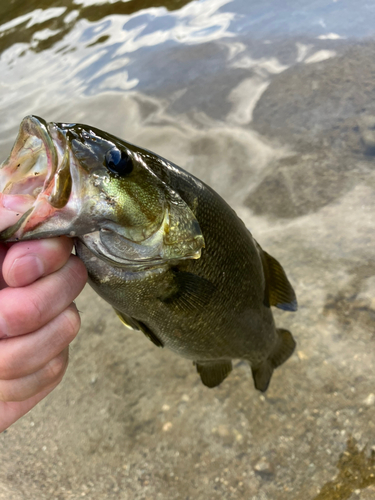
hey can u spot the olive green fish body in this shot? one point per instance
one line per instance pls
(163, 248)
(210, 310)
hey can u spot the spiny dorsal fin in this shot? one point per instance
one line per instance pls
(134, 324)
(212, 374)
(279, 291)
(190, 292)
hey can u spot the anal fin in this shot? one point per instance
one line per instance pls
(212, 374)
(262, 375)
(284, 349)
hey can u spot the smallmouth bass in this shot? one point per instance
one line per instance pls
(163, 248)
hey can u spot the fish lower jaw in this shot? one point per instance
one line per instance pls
(26, 221)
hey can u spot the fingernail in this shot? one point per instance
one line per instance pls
(25, 270)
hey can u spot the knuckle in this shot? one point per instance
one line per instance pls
(3, 397)
(37, 308)
(22, 312)
(9, 393)
(70, 282)
(77, 270)
(8, 366)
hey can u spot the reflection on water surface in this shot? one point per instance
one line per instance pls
(21, 21)
(272, 104)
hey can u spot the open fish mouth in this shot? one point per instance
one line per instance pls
(35, 180)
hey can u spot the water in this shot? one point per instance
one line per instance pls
(271, 103)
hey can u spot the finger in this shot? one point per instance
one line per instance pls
(27, 354)
(25, 310)
(27, 261)
(26, 387)
(10, 412)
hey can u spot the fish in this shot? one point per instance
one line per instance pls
(160, 246)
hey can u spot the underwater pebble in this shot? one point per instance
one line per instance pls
(370, 400)
(263, 467)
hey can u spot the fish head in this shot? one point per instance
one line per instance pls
(75, 180)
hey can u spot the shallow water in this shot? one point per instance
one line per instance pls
(271, 103)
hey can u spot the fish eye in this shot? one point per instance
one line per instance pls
(118, 162)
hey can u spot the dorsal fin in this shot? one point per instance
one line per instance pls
(279, 291)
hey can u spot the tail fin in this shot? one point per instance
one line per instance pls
(283, 350)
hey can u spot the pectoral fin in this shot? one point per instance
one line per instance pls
(189, 292)
(126, 320)
(134, 324)
(212, 374)
(279, 291)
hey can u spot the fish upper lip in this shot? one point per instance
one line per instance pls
(35, 125)
(38, 127)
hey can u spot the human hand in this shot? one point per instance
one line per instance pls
(37, 320)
